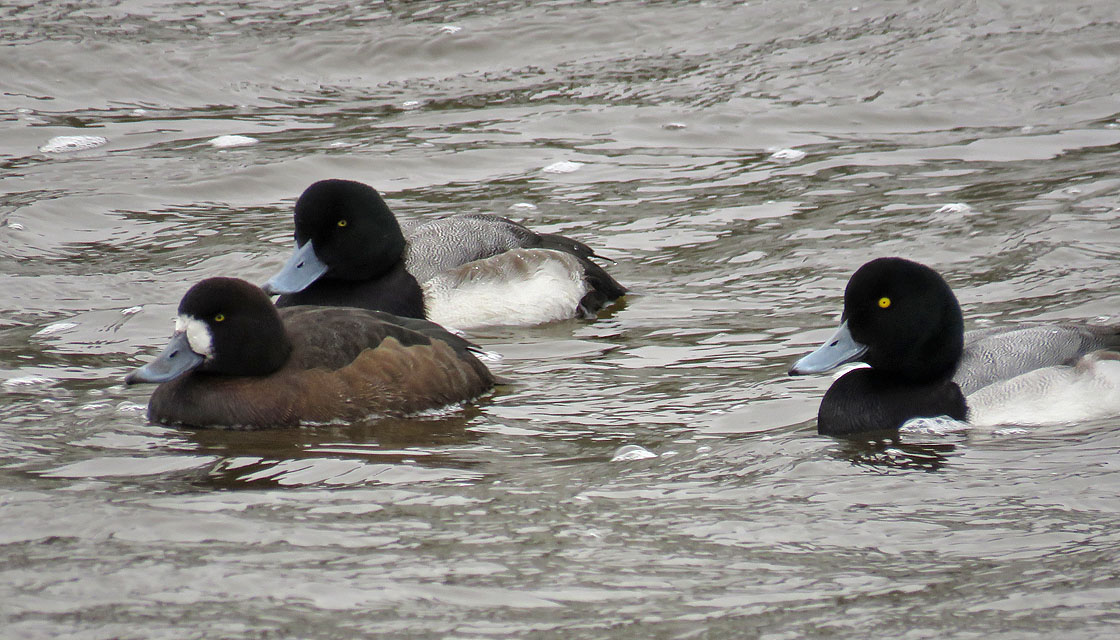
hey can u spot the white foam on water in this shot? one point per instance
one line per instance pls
(70, 144)
(228, 142)
(954, 207)
(28, 381)
(631, 452)
(564, 166)
(787, 155)
(938, 426)
(57, 327)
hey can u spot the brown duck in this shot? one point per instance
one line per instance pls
(236, 361)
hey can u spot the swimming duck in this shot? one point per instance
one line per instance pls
(236, 361)
(902, 320)
(462, 271)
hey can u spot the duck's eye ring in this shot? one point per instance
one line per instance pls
(220, 317)
(343, 223)
(884, 302)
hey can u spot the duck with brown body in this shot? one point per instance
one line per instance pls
(236, 361)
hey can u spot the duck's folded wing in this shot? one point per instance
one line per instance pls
(396, 379)
(446, 243)
(993, 355)
(332, 337)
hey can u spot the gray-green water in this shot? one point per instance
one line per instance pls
(980, 138)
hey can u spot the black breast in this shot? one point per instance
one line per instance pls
(396, 292)
(864, 400)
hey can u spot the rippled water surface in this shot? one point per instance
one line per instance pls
(737, 159)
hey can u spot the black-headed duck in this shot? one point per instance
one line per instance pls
(461, 271)
(902, 320)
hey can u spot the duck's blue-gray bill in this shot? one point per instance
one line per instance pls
(303, 268)
(175, 360)
(840, 349)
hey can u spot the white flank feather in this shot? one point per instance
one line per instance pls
(519, 287)
(1052, 395)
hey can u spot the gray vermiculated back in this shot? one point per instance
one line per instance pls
(992, 355)
(447, 243)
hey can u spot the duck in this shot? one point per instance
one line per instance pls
(902, 320)
(462, 271)
(236, 361)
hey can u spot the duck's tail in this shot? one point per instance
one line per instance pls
(602, 288)
(568, 245)
(1100, 336)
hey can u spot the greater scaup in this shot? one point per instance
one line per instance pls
(236, 361)
(463, 271)
(902, 320)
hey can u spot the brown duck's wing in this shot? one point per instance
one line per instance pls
(399, 379)
(378, 362)
(332, 337)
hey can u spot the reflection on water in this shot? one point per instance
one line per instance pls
(390, 450)
(737, 160)
(890, 453)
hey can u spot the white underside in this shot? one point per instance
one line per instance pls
(519, 287)
(1054, 395)
(198, 334)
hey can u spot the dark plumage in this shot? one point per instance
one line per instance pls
(902, 319)
(246, 364)
(351, 251)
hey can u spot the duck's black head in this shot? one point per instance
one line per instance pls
(907, 316)
(901, 318)
(225, 326)
(344, 231)
(353, 231)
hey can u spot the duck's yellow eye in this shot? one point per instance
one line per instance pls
(342, 223)
(884, 302)
(219, 317)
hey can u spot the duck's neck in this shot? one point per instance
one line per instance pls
(865, 400)
(396, 292)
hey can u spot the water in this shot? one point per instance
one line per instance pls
(981, 139)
